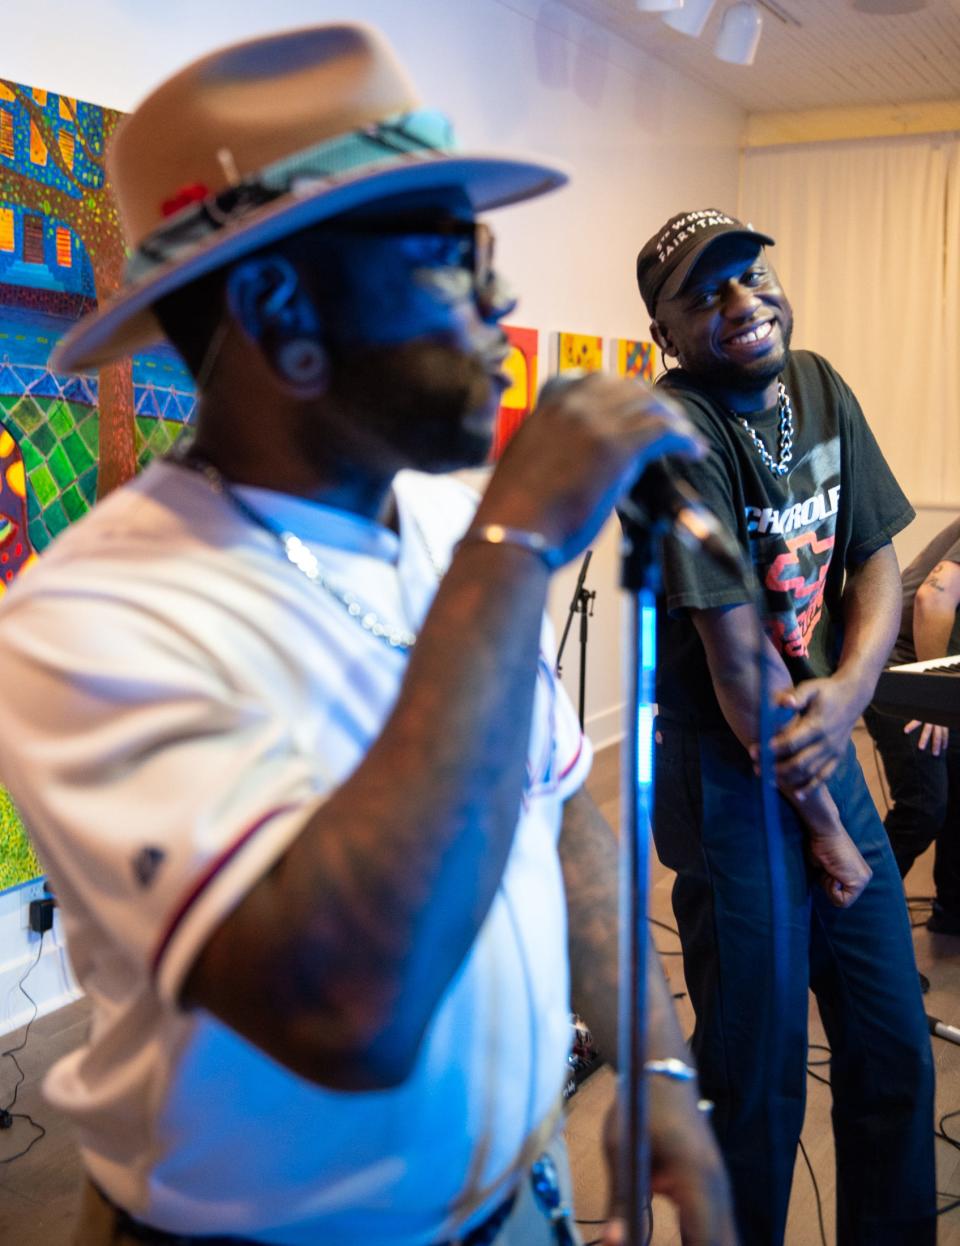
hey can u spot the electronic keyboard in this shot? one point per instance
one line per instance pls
(927, 690)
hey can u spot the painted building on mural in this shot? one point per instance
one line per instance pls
(61, 248)
(41, 262)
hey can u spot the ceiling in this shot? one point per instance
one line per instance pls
(834, 56)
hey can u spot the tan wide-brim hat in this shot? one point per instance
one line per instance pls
(256, 141)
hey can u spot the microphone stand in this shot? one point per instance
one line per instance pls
(582, 600)
(640, 575)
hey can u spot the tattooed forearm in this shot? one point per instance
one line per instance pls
(934, 580)
(589, 856)
(935, 609)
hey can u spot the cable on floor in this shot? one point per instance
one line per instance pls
(816, 1191)
(7, 1116)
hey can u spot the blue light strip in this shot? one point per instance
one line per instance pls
(648, 637)
(645, 745)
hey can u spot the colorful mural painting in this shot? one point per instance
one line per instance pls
(64, 440)
(519, 400)
(579, 352)
(632, 358)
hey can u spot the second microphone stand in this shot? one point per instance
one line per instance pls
(582, 604)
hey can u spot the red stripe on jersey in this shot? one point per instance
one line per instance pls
(204, 881)
(576, 757)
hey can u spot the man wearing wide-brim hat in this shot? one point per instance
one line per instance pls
(282, 716)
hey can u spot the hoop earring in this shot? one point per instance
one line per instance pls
(664, 365)
(302, 361)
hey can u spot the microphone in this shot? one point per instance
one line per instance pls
(659, 495)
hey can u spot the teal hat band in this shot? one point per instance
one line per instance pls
(399, 139)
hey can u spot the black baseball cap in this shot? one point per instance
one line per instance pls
(668, 258)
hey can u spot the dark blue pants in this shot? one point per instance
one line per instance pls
(925, 791)
(751, 1052)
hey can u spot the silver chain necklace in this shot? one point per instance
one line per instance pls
(300, 556)
(782, 466)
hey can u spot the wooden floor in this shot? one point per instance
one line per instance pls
(38, 1191)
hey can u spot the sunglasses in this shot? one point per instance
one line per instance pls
(452, 258)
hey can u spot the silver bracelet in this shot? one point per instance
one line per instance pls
(671, 1067)
(523, 538)
(677, 1071)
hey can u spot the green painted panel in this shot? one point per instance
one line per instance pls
(43, 438)
(88, 485)
(43, 485)
(89, 430)
(61, 467)
(77, 452)
(60, 419)
(55, 517)
(74, 503)
(31, 456)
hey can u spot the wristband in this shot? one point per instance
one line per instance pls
(522, 538)
(673, 1068)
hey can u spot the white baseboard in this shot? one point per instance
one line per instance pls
(606, 727)
(49, 978)
(50, 983)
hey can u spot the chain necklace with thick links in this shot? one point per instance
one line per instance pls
(782, 466)
(299, 555)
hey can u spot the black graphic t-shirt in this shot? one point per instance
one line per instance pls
(836, 506)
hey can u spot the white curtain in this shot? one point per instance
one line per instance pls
(868, 249)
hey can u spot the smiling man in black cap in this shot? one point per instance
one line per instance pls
(795, 474)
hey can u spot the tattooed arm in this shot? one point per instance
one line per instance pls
(934, 614)
(685, 1163)
(935, 610)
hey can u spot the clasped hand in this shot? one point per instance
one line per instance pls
(842, 870)
(808, 750)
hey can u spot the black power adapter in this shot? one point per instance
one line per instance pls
(41, 916)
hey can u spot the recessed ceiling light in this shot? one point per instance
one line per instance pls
(739, 33)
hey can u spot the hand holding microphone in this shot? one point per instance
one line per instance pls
(626, 416)
(577, 455)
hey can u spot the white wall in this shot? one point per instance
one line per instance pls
(640, 142)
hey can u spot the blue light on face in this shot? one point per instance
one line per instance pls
(397, 285)
(376, 300)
